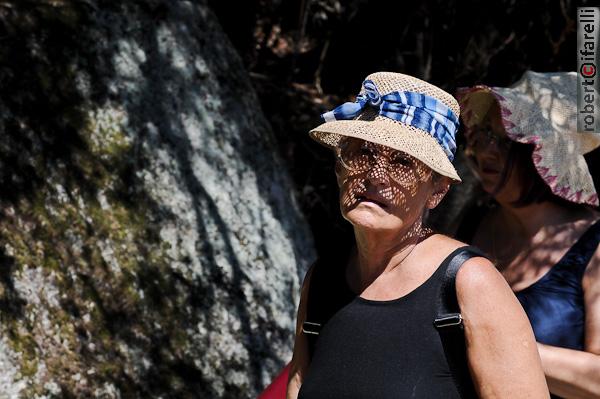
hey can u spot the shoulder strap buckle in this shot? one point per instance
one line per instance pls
(449, 320)
(311, 328)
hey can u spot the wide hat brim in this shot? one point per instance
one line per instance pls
(393, 134)
(540, 109)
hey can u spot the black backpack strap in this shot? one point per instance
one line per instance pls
(316, 314)
(449, 322)
(323, 298)
(448, 311)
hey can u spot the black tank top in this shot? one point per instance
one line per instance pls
(380, 349)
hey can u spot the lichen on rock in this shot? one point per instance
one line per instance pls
(150, 243)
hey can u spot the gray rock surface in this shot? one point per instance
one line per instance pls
(150, 242)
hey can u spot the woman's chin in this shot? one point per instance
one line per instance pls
(489, 185)
(368, 218)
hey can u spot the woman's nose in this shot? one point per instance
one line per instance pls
(378, 174)
(482, 149)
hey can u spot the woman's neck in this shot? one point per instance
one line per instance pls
(528, 221)
(379, 252)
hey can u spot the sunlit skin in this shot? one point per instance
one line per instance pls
(395, 203)
(383, 194)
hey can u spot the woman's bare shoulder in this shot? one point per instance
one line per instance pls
(438, 247)
(478, 270)
(445, 244)
(479, 273)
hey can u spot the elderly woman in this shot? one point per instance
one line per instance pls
(399, 316)
(541, 229)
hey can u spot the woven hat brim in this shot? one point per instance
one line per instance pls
(396, 135)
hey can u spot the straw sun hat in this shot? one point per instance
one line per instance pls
(401, 112)
(541, 109)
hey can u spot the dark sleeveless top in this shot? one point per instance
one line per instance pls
(555, 303)
(380, 349)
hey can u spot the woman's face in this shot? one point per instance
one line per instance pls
(381, 188)
(488, 147)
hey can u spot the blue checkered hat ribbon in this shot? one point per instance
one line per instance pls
(415, 109)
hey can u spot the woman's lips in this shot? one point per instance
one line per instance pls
(362, 198)
(488, 166)
(489, 171)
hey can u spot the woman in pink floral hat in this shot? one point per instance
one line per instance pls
(543, 231)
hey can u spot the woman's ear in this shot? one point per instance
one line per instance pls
(441, 185)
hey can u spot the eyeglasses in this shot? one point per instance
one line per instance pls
(478, 139)
(359, 156)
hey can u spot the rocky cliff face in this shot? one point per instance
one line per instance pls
(150, 242)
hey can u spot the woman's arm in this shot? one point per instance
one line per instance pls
(501, 347)
(300, 360)
(571, 373)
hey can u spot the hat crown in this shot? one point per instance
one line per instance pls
(388, 82)
(400, 112)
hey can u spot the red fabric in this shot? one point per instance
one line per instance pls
(277, 388)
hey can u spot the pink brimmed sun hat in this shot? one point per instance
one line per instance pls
(540, 109)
